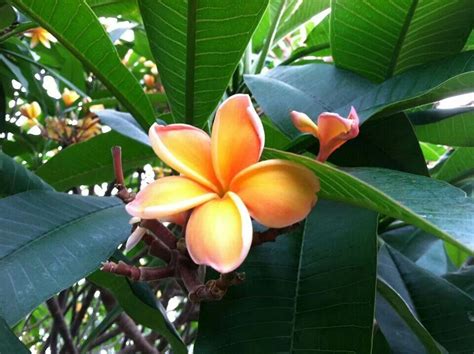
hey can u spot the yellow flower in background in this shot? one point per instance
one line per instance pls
(332, 130)
(149, 80)
(40, 35)
(31, 110)
(69, 97)
(224, 184)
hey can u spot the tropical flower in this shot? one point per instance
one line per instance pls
(224, 184)
(40, 35)
(332, 130)
(149, 80)
(69, 97)
(31, 110)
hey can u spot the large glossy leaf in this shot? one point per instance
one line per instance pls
(443, 309)
(432, 205)
(315, 88)
(75, 25)
(409, 316)
(197, 45)
(454, 127)
(90, 162)
(15, 178)
(9, 343)
(463, 279)
(460, 164)
(50, 240)
(139, 302)
(312, 290)
(379, 39)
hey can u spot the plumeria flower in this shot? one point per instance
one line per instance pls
(332, 130)
(31, 110)
(223, 185)
(69, 97)
(40, 35)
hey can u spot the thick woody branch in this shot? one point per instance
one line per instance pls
(128, 327)
(57, 314)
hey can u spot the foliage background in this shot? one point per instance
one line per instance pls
(392, 238)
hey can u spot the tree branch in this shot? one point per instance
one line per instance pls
(126, 324)
(57, 314)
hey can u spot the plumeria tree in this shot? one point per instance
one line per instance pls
(265, 176)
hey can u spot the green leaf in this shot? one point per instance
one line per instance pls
(50, 240)
(432, 152)
(320, 34)
(443, 309)
(412, 242)
(90, 162)
(298, 14)
(432, 205)
(460, 164)
(9, 343)
(7, 16)
(312, 290)
(312, 89)
(463, 279)
(128, 9)
(197, 46)
(381, 39)
(453, 127)
(139, 302)
(76, 26)
(408, 315)
(124, 124)
(15, 178)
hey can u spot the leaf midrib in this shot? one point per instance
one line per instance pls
(401, 39)
(55, 230)
(190, 60)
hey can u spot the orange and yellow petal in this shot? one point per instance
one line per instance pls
(277, 193)
(237, 138)
(187, 150)
(334, 131)
(69, 97)
(304, 124)
(168, 196)
(219, 233)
